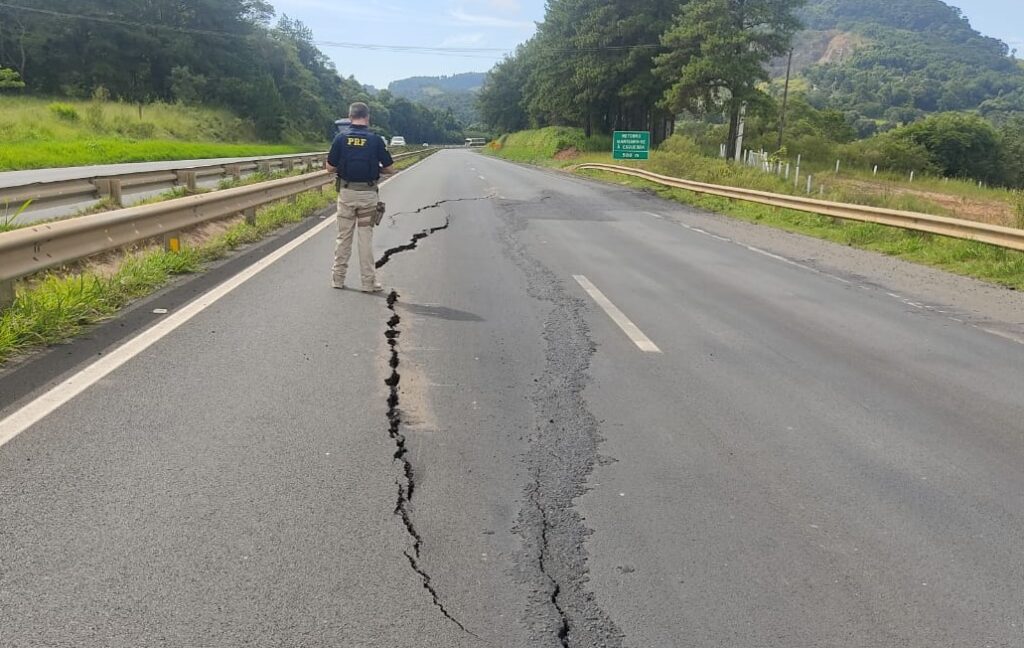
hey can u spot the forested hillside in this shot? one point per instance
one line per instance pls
(910, 79)
(457, 93)
(887, 62)
(227, 53)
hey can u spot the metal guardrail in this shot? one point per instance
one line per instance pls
(113, 187)
(1005, 237)
(34, 248)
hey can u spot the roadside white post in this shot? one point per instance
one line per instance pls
(810, 183)
(911, 176)
(876, 170)
(837, 167)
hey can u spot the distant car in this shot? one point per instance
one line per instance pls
(425, 145)
(397, 140)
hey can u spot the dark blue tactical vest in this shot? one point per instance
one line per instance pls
(359, 154)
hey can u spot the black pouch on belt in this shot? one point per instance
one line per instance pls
(379, 216)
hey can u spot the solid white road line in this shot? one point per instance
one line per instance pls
(900, 298)
(57, 396)
(631, 330)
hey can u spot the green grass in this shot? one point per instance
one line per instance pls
(681, 158)
(38, 133)
(43, 155)
(969, 258)
(541, 146)
(56, 307)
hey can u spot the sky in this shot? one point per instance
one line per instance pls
(492, 24)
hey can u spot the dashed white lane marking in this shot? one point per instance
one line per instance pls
(46, 403)
(482, 178)
(631, 330)
(900, 298)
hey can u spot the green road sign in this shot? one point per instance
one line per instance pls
(631, 145)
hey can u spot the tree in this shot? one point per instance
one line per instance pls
(961, 145)
(10, 80)
(718, 53)
(500, 101)
(215, 52)
(185, 86)
(1012, 140)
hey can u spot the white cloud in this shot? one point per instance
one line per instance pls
(511, 6)
(482, 20)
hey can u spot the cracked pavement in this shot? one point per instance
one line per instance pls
(478, 457)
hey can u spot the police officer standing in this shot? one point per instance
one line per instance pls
(358, 157)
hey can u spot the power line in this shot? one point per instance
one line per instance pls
(440, 51)
(490, 53)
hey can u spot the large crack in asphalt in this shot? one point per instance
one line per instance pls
(406, 483)
(562, 452)
(391, 217)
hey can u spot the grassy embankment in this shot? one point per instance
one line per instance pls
(56, 306)
(39, 133)
(679, 157)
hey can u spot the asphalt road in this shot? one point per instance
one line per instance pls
(758, 450)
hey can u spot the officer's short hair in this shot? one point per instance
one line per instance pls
(358, 110)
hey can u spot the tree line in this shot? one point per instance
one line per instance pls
(607, 65)
(229, 53)
(701, 65)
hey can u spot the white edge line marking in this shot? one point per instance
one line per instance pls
(900, 298)
(629, 328)
(48, 402)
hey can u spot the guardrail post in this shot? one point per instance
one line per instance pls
(188, 180)
(289, 165)
(250, 215)
(263, 167)
(110, 190)
(6, 293)
(235, 171)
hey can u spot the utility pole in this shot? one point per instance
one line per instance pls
(785, 98)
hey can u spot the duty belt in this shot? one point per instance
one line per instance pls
(359, 186)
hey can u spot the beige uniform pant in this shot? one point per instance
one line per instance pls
(356, 210)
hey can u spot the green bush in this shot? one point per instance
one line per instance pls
(64, 111)
(1018, 207)
(961, 145)
(545, 143)
(891, 153)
